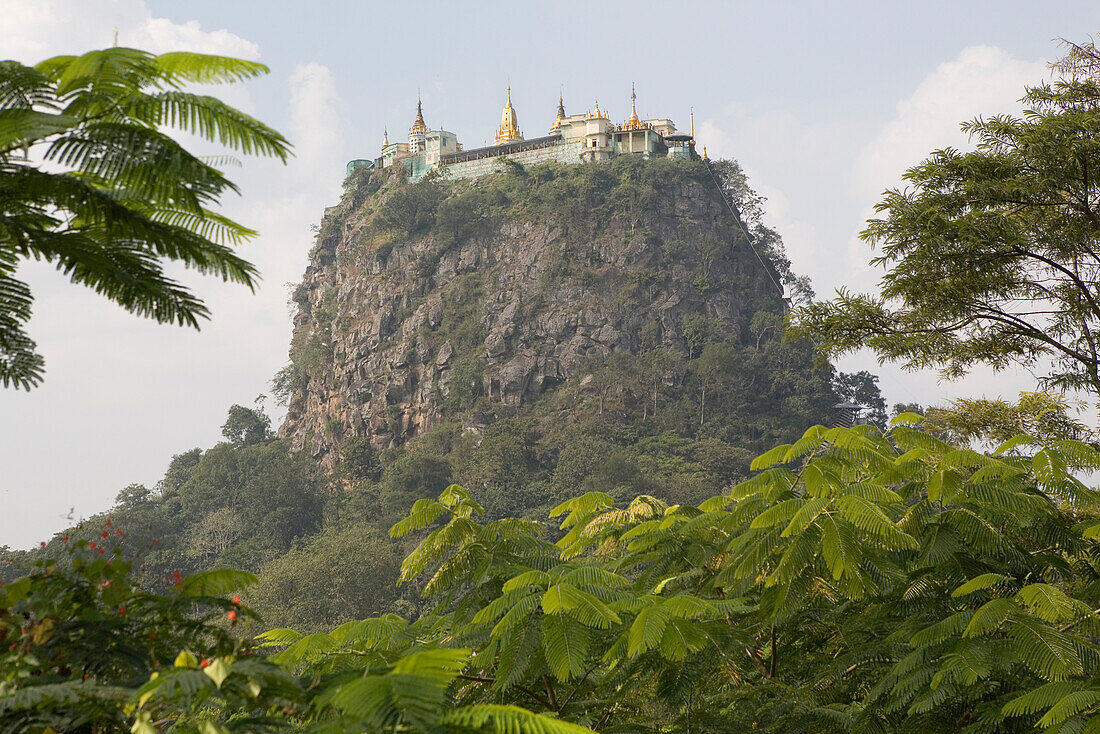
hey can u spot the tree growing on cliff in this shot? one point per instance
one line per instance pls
(993, 256)
(246, 426)
(91, 182)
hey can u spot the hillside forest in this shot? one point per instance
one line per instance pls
(664, 524)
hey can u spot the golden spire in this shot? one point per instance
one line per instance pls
(693, 123)
(385, 137)
(561, 114)
(509, 124)
(704, 152)
(418, 125)
(633, 121)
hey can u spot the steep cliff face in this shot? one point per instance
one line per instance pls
(468, 300)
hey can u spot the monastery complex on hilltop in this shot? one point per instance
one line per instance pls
(590, 136)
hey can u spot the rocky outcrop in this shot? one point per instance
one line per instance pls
(395, 334)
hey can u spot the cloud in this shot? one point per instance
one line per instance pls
(42, 28)
(283, 202)
(317, 115)
(981, 81)
(160, 35)
(834, 173)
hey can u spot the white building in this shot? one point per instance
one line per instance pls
(582, 138)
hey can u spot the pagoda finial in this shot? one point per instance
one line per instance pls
(509, 124)
(633, 122)
(693, 123)
(419, 126)
(385, 137)
(561, 113)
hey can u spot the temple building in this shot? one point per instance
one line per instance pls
(586, 137)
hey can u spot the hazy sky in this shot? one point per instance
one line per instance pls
(824, 104)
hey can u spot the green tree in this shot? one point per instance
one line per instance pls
(246, 426)
(862, 388)
(411, 208)
(860, 581)
(718, 364)
(133, 496)
(410, 477)
(91, 181)
(179, 470)
(900, 408)
(1081, 59)
(87, 651)
(337, 576)
(991, 256)
(258, 499)
(360, 460)
(1049, 417)
(80, 638)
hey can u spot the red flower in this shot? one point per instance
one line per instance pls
(65, 539)
(176, 574)
(204, 663)
(42, 544)
(232, 615)
(108, 522)
(118, 531)
(152, 635)
(237, 599)
(122, 610)
(104, 533)
(100, 550)
(92, 544)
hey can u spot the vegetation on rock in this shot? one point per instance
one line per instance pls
(549, 328)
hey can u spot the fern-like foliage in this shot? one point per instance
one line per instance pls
(92, 182)
(859, 582)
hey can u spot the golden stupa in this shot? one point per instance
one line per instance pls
(418, 125)
(633, 123)
(560, 116)
(509, 125)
